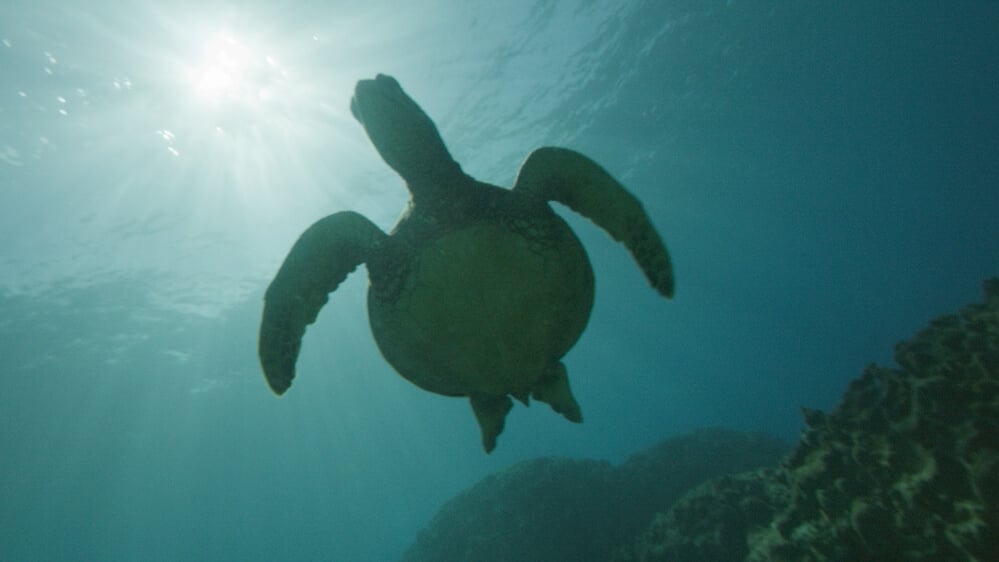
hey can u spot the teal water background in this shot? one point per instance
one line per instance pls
(826, 175)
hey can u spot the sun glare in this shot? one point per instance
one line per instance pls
(234, 83)
(229, 70)
(237, 102)
(237, 79)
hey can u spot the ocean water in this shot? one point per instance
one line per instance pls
(825, 174)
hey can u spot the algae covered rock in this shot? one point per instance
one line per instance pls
(907, 465)
(540, 509)
(711, 522)
(580, 510)
(906, 468)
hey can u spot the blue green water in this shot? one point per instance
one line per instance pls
(826, 175)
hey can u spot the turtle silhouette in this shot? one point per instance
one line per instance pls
(478, 291)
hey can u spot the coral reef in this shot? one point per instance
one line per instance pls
(580, 510)
(710, 523)
(906, 468)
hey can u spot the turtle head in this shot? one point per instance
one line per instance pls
(405, 136)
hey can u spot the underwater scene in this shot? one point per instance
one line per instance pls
(470, 281)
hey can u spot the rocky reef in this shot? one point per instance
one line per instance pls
(906, 468)
(565, 509)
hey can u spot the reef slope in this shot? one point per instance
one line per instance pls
(906, 468)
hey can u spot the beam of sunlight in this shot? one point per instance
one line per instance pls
(222, 72)
(171, 129)
(232, 71)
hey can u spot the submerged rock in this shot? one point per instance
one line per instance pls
(906, 468)
(710, 523)
(580, 510)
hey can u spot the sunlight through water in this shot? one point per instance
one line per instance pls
(230, 70)
(221, 73)
(188, 127)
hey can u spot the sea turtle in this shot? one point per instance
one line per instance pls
(478, 291)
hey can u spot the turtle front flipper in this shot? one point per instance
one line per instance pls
(566, 176)
(318, 262)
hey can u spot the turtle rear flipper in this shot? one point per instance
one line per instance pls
(490, 412)
(566, 176)
(318, 262)
(554, 390)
